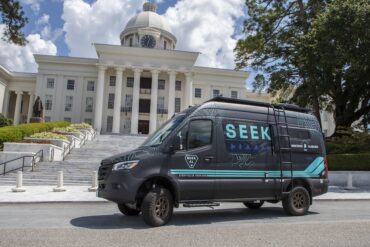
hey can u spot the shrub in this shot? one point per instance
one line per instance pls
(49, 135)
(66, 130)
(5, 121)
(347, 142)
(18, 132)
(349, 162)
(81, 126)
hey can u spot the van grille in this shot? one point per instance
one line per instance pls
(104, 171)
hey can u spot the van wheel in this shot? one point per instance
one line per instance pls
(157, 207)
(297, 202)
(254, 205)
(127, 210)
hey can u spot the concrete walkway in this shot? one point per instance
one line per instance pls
(81, 194)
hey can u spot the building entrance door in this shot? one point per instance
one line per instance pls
(143, 127)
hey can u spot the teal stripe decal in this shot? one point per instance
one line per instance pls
(313, 170)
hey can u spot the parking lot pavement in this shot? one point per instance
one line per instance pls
(329, 223)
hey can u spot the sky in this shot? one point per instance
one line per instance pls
(69, 27)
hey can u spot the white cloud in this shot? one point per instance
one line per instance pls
(43, 20)
(205, 26)
(208, 27)
(35, 4)
(100, 22)
(20, 58)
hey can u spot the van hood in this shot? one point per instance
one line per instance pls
(136, 154)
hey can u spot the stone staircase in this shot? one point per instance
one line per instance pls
(79, 165)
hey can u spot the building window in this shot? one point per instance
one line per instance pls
(216, 92)
(131, 43)
(178, 86)
(109, 123)
(69, 103)
(112, 81)
(70, 84)
(48, 102)
(91, 86)
(50, 83)
(68, 119)
(111, 101)
(177, 104)
(165, 45)
(234, 94)
(128, 101)
(198, 93)
(89, 104)
(160, 103)
(47, 119)
(161, 84)
(130, 81)
(88, 121)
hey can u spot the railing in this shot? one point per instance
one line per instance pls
(145, 91)
(39, 154)
(162, 111)
(126, 109)
(68, 149)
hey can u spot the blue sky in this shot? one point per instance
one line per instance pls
(54, 9)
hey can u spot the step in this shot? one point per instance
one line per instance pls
(200, 204)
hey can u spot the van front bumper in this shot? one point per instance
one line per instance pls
(119, 187)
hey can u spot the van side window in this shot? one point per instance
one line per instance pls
(200, 133)
(183, 134)
(299, 134)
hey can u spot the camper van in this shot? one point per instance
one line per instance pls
(224, 150)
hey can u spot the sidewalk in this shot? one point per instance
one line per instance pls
(38, 194)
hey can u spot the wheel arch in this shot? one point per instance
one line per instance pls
(300, 182)
(154, 181)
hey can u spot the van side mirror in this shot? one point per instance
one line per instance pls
(176, 144)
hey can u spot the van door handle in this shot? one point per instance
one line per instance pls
(208, 158)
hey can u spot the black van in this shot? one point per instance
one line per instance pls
(225, 150)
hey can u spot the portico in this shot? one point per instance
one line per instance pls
(121, 74)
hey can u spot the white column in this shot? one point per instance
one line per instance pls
(17, 111)
(153, 102)
(99, 98)
(188, 90)
(6, 103)
(171, 94)
(117, 101)
(30, 105)
(135, 102)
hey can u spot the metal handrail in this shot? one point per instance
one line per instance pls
(39, 153)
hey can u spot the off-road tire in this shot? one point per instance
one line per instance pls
(253, 205)
(127, 210)
(297, 202)
(157, 207)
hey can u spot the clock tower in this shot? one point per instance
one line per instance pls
(148, 30)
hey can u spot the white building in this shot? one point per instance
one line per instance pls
(129, 88)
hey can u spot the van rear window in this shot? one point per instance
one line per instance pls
(299, 134)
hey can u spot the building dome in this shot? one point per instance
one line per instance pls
(148, 19)
(148, 23)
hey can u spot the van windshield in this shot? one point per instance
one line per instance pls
(160, 135)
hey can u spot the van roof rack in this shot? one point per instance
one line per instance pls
(290, 107)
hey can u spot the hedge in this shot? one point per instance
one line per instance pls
(18, 132)
(349, 162)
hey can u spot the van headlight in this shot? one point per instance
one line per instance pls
(126, 165)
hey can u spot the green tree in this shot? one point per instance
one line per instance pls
(336, 51)
(280, 43)
(12, 16)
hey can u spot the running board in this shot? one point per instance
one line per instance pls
(200, 204)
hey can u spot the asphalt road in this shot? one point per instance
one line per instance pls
(329, 223)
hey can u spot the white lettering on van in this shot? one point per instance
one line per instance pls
(243, 131)
(230, 131)
(264, 133)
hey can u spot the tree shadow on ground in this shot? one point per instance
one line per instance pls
(183, 218)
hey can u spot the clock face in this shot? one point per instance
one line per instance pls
(148, 41)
